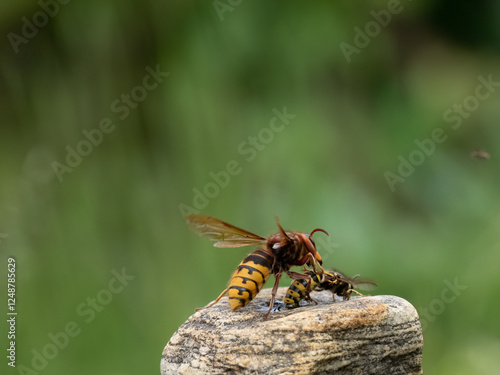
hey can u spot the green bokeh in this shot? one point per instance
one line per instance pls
(229, 73)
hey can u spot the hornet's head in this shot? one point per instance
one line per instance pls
(302, 241)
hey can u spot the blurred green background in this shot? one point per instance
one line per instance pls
(230, 65)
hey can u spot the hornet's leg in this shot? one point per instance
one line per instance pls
(313, 263)
(213, 303)
(298, 276)
(277, 277)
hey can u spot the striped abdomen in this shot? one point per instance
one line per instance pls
(249, 277)
(298, 290)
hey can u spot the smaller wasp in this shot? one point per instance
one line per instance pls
(328, 280)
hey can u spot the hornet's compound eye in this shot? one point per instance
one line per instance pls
(310, 239)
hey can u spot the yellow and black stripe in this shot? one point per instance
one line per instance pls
(249, 277)
(300, 290)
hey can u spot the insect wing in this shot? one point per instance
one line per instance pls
(224, 234)
(364, 284)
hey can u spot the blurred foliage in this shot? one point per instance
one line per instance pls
(119, 207)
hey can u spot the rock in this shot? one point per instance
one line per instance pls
(365, 335)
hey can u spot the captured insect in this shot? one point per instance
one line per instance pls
(328, 280)
(281, 251)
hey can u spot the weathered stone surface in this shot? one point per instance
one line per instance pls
(365, 335)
